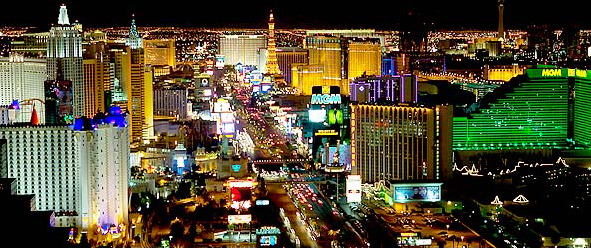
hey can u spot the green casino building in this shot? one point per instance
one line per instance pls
(548, 108)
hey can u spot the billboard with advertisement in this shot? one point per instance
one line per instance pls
(335, 116)
(220, 61)
(221, 106)
(255, 77)
(353, 188)
(417, 192)
(227, 117)
(228, 128)
(317, 115)
(268, 240)
(239, 219)
(344, 155)
(265, 88)
(238, 183)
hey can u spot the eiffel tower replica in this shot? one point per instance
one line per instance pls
(272, 67)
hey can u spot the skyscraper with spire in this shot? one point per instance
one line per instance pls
(64, 46)
(272, 67)
(140, 89)
(134, 41)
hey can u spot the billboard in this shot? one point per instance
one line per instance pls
(237, 183)
(228, 128)
(329, 132)
(268, 230)
(241, 194)
(221, 106)
(270, 240)
(240, 198)
(353, 188)
(207, 92)
(256, 77)
(265, 88)
(59, 102)
(202, 80)
(317, 115)
(262, 202)
(239, 219)
(227, 117)
(417, 192)
(220, 61)
(335, 116)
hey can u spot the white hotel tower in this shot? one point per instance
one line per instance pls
(22, 79)
(82, 175)
(64, 52)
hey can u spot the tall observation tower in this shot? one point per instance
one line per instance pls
(272, 66)
(501, 30)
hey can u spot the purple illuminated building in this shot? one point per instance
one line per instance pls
(390, 89)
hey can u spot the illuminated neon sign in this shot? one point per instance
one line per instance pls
(326, 99)
(268, 230)
(551, 72)
(240, 183)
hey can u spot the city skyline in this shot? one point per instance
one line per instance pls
(398, 15)
(295, 124)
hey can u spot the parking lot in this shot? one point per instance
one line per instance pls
(424, 226)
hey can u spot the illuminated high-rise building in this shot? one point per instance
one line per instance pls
(384, 89)
(160, 52)
(93, 88)
(341, 60)
(148, 131)
(350, 33)
(271, 66)
(104, 162)
(135, 100)
(546, 109)
(288, 56)
(65, 45)
(80, 173)
(134, 41)
(401, 142)
(120, 57)
(21, 79)
(304, 76)
(171, 102)
(502, 72)
(241, 48)
(33, 45)
(139, 89)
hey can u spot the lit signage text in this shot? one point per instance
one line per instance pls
(268, 231)
(551, 72)
(326, 133)
(326, 99)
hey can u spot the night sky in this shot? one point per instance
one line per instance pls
(381, 15)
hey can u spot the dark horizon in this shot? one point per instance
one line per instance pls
(450, 15)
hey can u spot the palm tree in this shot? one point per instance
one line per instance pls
(453, 240)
